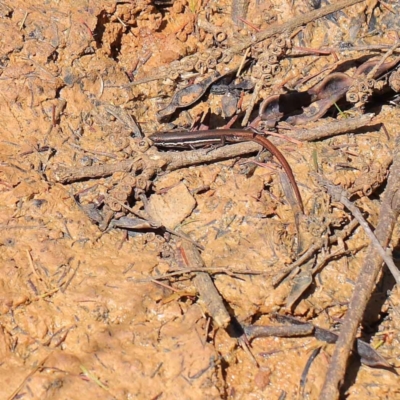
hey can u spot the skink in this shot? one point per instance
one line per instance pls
(184, 139)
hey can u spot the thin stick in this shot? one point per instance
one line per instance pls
(23, 21)
(317, 246)
(253, 100)
(205, 286)
(138, 82)
(293, 23)
(32, 265)
(64, 288)
(38, 366)
(382, 60)
(341, 195)
(164, 285)
(333, 129)
(243, 62)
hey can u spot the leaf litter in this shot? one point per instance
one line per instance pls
(92, 299)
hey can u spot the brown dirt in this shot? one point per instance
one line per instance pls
(78, 315)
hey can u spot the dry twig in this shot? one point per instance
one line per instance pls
(293, 24)
(205, 286)
(339, 194)
(333, 129)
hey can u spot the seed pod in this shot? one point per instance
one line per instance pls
(129, 180)
(167, 251)
(352, 97)
(125, 188)
(220, 36)
(119, 143)
(272, 59)
(118, 194)
(204, 56)
(267, 79)
(149, 237)
(114, 206)
(216, 53)
(139, 145)
(363, 97)
(371, 83)
(187, 64)
(173, 74)
(367, 190)
(257, 48)
(362, 86)
(211, 62)
(263, 59)
(276, 69)
(143, 144)
(276, 50)
(141, 182)
(267, 69)
(279, 41)
(226, 58)
(200, 67)
(256, 72)
(174, 64)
